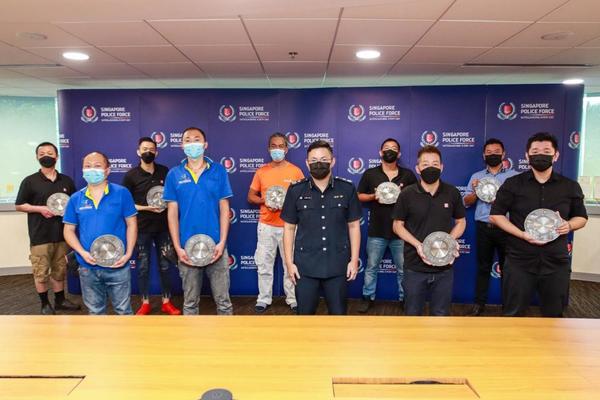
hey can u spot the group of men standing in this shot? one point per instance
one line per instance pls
(316, 231)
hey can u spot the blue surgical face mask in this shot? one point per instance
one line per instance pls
(93, 176)
(277, 154)
(193, 150)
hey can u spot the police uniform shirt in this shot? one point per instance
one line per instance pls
(322, 245)
(380, 218)
(139, 182)
(423, 214)
(520, 195)
(35, 190)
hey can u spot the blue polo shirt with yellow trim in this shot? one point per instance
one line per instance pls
(102, 218)
(197, 198)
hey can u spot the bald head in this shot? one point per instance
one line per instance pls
(96, 159)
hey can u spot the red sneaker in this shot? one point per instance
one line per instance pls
(144, 309)
(170, 309)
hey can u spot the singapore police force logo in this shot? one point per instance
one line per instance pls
(356, 113)
(160, 139)
(293, 140)
(229, 164)
(227, 113)
(507, 111)
(232, 262)
(89, 114)
(429, 138)
(356, 165)
(574, 139)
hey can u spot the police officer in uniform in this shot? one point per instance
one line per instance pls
(321, 234)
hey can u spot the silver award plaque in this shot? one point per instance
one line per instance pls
(154, 198)
(541, 224)
(57, 203)
(387, 192)
(486, 189)
(107, 249)
(274, 197)
(200, 249)
(439, 248)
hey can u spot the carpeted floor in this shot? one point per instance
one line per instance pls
(19, 298)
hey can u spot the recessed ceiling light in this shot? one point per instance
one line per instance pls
(556, 35)
(76, 56)
(368, 54)
(32, 36)
(573, 81)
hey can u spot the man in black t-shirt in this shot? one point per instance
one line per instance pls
(47, 244)
(426, 207)
(533, 266)
(152, 225)
(380, 236)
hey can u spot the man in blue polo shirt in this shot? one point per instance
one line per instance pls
(98, 209)
(197, 193)
(490, 238)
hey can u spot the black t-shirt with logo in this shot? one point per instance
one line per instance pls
(380, 219)
(139, 182)
(423, 214)
(35, 190)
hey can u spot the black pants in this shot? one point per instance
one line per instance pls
(521, 284)
(489, 239)
(308, 293)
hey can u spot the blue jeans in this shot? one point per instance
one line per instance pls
(103, 284)
(144, 247)
(418, 286)
(375, 250)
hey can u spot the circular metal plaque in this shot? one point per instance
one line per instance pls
(154, 198)
(541, 224)
(387, 193)
(107, 249)
(274, 197)
(487, 188)
(439, 248)
(200, 249)
(57, 203)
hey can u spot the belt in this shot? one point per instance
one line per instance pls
(488, 225)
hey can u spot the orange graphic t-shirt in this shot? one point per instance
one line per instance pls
(267, 176)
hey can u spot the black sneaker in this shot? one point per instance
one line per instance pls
(67, 305)
(294, 308)
(476, 310)
(364, 305)
(260, 308)
(47, 310)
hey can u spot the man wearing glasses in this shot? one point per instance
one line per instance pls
(321, 235)
(279, 172)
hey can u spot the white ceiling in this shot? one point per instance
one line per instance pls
(241, 43)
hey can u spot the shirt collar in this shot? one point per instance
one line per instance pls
(553, 176)
(420, 189)
(487, 171)
(312, 184)
(209, 162)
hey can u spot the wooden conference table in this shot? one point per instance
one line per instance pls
(290, 357)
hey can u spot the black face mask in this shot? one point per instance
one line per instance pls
(319, 170)
(493, 160)
(47, 161)
(389, 156)
(540, 162)
(430, 174)
(148, 157)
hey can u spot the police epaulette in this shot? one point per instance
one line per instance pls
(299, 181)
(339, 178)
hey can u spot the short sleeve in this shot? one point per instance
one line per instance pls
(24, 194)
(225, 187)
(400, 211)
(288, 212)
(364, 185)
(469, 189)
(458, 208)
(354, 207)
(577, 208)
(410, 178)
(127, 204)
(71, 189)
(255, 184)
(170, 192)
(504, 199)
(70, 215)
(299, 174)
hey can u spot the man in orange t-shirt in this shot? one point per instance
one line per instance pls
(278, 172)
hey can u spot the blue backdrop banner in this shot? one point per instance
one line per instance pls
(456, 119)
